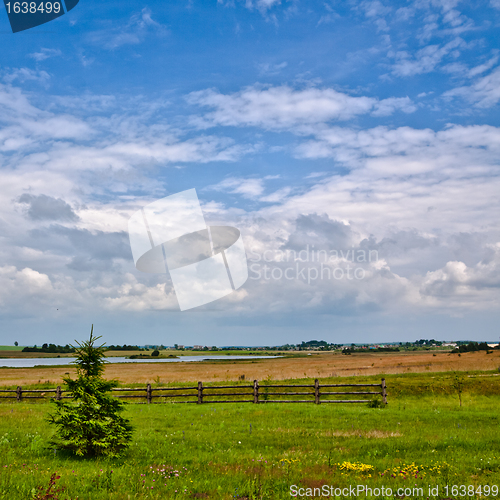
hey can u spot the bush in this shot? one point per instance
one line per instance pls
(156, 352)
(91, 425)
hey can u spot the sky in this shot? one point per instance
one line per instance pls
(354, 144)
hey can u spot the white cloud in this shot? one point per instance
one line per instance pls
(410, 193)
(267, 4)
(418, 150)
(262, 5)
(397, 175)
(25, 125)
(374, 8)
(22, 75)
(248, 188)
(19, 285)
(375, 11)
(135, 296)
(459, 285)
(283, 107)
(132, 33)
(271, 69)
(45, 54)
(477, 70)
(278, 196)
(484, 93)
(388, 106)
(425, 60)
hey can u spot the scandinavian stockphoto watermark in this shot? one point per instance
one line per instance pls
(205, 263)
(310, 264)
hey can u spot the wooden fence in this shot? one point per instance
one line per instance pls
(200, 394)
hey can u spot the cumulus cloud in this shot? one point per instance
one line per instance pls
(43, 207)
(459, 285)
(319, 263)
(283, 107)
(133, 295)
(22, 284)
(50, 171)
(408, 151)
(75, 242)
(420, 199)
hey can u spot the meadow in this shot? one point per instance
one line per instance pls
(315, 365)
(422, 438)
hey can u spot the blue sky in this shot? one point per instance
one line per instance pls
(339, 126)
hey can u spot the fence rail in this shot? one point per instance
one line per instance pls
(199, 395)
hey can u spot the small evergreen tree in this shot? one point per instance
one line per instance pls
(91, 425)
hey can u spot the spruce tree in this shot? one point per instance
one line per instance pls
(90, 425)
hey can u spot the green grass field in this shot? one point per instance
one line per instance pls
(421, 438)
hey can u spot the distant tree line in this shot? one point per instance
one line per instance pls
(473, 346)
(124, 347)
(313, 343)
(427, 342)
(50, 348)
(67, 349)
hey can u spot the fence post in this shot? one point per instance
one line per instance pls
(148, 393)
(384, 392)
(19, 393)
(316, 391)
(256, 392)
(58, 393)
(200, 393)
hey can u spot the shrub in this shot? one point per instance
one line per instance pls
(90, 425)
(156, 352)
(376, 403)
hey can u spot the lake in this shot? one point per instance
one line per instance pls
(31, 362)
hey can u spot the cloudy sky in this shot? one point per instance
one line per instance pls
(364, 134)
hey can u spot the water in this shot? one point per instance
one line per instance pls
(31, 362)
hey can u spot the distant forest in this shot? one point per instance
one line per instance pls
(123, 348)
(50, 348)
(67, 349)
(474, 346)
